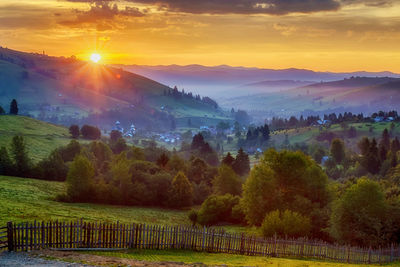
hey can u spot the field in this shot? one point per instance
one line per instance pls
(214, 259)
(25, 199)
(41, 138)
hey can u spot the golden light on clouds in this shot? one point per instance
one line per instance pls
(335, 35)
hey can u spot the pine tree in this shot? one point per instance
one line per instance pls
(385, 141)
(242, 163)
(228, 160)
(20, 156)
(14, 107)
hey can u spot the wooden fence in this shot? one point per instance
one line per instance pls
(3, 238)
(79, 235)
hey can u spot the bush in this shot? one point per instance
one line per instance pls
(285, 224)
(217, 209)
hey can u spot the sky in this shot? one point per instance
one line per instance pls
(322, 35)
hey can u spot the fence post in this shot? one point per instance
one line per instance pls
(10, 237)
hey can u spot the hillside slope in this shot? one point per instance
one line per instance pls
(41, 137)
(61, 89)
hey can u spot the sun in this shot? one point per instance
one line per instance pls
(95, 57)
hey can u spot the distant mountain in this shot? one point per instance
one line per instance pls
(62, 89)
(215, 81)
(357, 94)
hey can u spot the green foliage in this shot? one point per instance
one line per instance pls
(14, 107)
(6, 166)
(162, 160)
(228, 160)
(285, 224)
(286, 180)
(136, 153)
(20, 156)
(69, 151)
(74, 131)
(80, 180)
(358, 216)
(181, 192)
(242, 163)
(337, 150)
(119, 146)
(115, 135)
(2, 111)
(217, 209)
(227, 182)
(52, 168)
(90, 132)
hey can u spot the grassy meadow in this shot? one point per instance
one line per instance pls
(214, 259)
(41, 137)
(24, 199)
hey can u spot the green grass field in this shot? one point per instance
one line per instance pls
(25, 199)
(41, 138)
(214, 259)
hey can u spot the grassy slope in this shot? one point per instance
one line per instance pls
(25, 199)
(82, 88)
(41, 137)
(214, 259)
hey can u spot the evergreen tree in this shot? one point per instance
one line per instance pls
(242, 163)
(20, 156)
(5, 162)
(162, 160)
(198, 141)
(14, 107)
(337, 150)
(385, 141)
(228, 160)
(395, 145)
(181, 192)
(2, 111)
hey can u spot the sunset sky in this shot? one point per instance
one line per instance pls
(333, 35)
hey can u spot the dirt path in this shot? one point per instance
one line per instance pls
(70, 258)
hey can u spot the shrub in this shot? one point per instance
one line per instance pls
(217, 209)
(285, 224)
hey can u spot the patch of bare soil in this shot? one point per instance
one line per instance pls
(73, 256)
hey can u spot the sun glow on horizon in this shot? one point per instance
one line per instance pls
(95, 57)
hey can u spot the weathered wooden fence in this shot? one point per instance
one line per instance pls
(78, 235)
(3, 238)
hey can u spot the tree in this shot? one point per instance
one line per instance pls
(119, 146)
(5, 162)
(20, 156)
(115, 135)
(228, 160)
(226, 182)
(2, 111)
(90, 132)
(14, 107)
(162, 160)
(287, 180)
(74, 131)
(193, 215)
(385, 141)
(337, 150)
(198, 141)
(181, 192)
(358, 215)
(242, 163)
(80, 179)
(122, 178)
(52, 168)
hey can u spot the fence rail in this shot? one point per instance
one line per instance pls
(32, 236)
